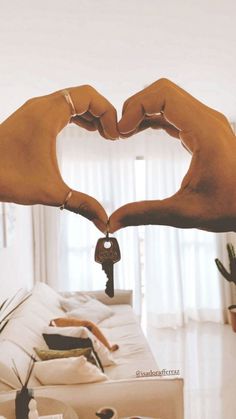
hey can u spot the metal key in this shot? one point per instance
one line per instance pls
(107, 253)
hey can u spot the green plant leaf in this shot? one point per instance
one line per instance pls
(8, 301)
(222, 270)
(12, 311)
(3, 304)
(231, 275)
(3, 327)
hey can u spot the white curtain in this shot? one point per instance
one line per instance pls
(106, 171)
(171, 271)
(179, 263)
(46, 232)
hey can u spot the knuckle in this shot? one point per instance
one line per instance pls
(221, 117)
(108, 107)
(85, 210)
(164, 83)
(31, 101)
(126, 104)
(31, 109)
(88, 88)
(134, 103)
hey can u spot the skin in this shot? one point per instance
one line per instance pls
(29, 172)
(70, 321)
(206, 199)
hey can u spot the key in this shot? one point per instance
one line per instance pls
(107, 253)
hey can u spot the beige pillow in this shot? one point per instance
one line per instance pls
(67, 371)
(46, 354)
(86, 308)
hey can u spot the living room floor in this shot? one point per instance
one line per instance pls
(205, 354)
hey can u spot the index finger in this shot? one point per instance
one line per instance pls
(86, 98)
(179, 108)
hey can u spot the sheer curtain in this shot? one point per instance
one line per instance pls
(179, 264)
(171, 271)
(106, 171)
(46, 227)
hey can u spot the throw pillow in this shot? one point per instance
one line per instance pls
(64, 343)
(67, 371)
(83, 333)
(86, 308)
(46, 354)
(70, 303)
(94, 328)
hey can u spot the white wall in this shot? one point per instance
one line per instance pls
(16, 261)
(118, 47)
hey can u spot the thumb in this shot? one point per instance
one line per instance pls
(182, 210)
(88, 207)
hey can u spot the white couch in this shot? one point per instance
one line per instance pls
(149, 396)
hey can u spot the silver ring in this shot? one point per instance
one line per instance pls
(67, 96)
(68, 196)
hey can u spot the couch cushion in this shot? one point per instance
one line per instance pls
(9, 351)
(86, 309)
(47, 296)
(134, 353)
(123, 314)
(68, 371)
(24, 331)
(40, 308)
(74, 333)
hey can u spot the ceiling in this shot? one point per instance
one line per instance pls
(119, 47)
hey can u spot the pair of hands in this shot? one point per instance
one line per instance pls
(206, 200)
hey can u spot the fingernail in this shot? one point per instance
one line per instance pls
(127, 132)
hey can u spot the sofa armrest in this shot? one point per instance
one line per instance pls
(161, 398)
(120, 297)
(154, 397)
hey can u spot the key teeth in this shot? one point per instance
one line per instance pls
(109, 289)
(108, 279)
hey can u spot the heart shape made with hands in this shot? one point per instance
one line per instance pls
(29, 172)
(207, 197)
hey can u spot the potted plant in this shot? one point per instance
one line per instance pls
(231, 277)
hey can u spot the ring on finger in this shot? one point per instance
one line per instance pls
(70, 102)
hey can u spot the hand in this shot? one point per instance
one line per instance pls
(29, 172)
(207, 196)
